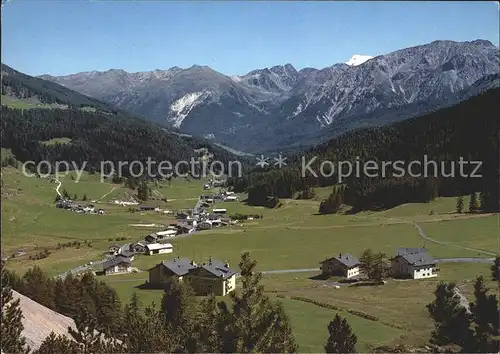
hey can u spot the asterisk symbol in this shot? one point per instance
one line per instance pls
(280, 161)
(262, 161)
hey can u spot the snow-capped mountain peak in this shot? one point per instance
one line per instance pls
(358, 59)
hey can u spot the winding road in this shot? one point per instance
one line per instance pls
(422, 234)
(111, 191)
(58, 187)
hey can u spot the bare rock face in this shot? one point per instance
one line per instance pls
(39, 321)
(281, 107)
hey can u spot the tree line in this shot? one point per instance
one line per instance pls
(249, 323)
(97, 137)
(24, 86)
(468, 130)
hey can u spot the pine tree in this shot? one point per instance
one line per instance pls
(89, 338)
(58, 344)
(177, 305)
(108, 309)
(38, 287)
(460, 204)
(143, 192)
(11, 326)
(450, 317)
(473, 203)
(485, 317)
(381, 267)
(132, 324)
(341, 339)
(482, 202)
(65, 194)
(366, 261)
(495, 269)
(209, 328)
(84, 198)
(257, 325)
(75, 197)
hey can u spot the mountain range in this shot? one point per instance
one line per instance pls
(285, 108)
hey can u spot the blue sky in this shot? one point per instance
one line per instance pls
(63, 37)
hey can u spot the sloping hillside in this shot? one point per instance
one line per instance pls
(21, 86)
(39, 321)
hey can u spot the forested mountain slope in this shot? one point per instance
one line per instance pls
(468, 130)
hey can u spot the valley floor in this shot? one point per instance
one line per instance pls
(291, 237)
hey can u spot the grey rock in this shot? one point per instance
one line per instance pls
(280, 107)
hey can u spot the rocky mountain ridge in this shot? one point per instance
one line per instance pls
(281, 107)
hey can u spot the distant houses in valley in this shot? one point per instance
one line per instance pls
(117, 265)
(344, 264)
(70, 205)
(413, 263)
(212, 277)
(158, 248)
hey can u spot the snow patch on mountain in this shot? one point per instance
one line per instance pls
(358, 59)
(183, 106)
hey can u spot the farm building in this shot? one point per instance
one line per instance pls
(117, 265)
(156, 248)
(204, 225)
(345, 264)
(413, 263)
(219, 211)
(146, 208)
(114, 249)
(151, 237)
(160, 274)
(126, 253)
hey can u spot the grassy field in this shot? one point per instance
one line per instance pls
(289, 237)
(25, 103)
(57, 141)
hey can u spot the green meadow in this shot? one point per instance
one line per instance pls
(291, 236)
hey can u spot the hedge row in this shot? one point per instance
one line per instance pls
(333, 307)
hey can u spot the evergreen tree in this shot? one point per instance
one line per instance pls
(495, 269)
(209, 328)
(450, 317)
(145, 331)
(58, 344)
(89, 339)
(75, 197)
(473, 203)
(460, 204)
(381, 267)
(257, 325)
(143, 192)
(133, 324)
(177, 305)
(341, 339)
(485, 317)
(332, 204)
(38, 287)
(482, 202)
(366, 261)
(108, 309)
(84, 198)
(11, 326)
(65, 194)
